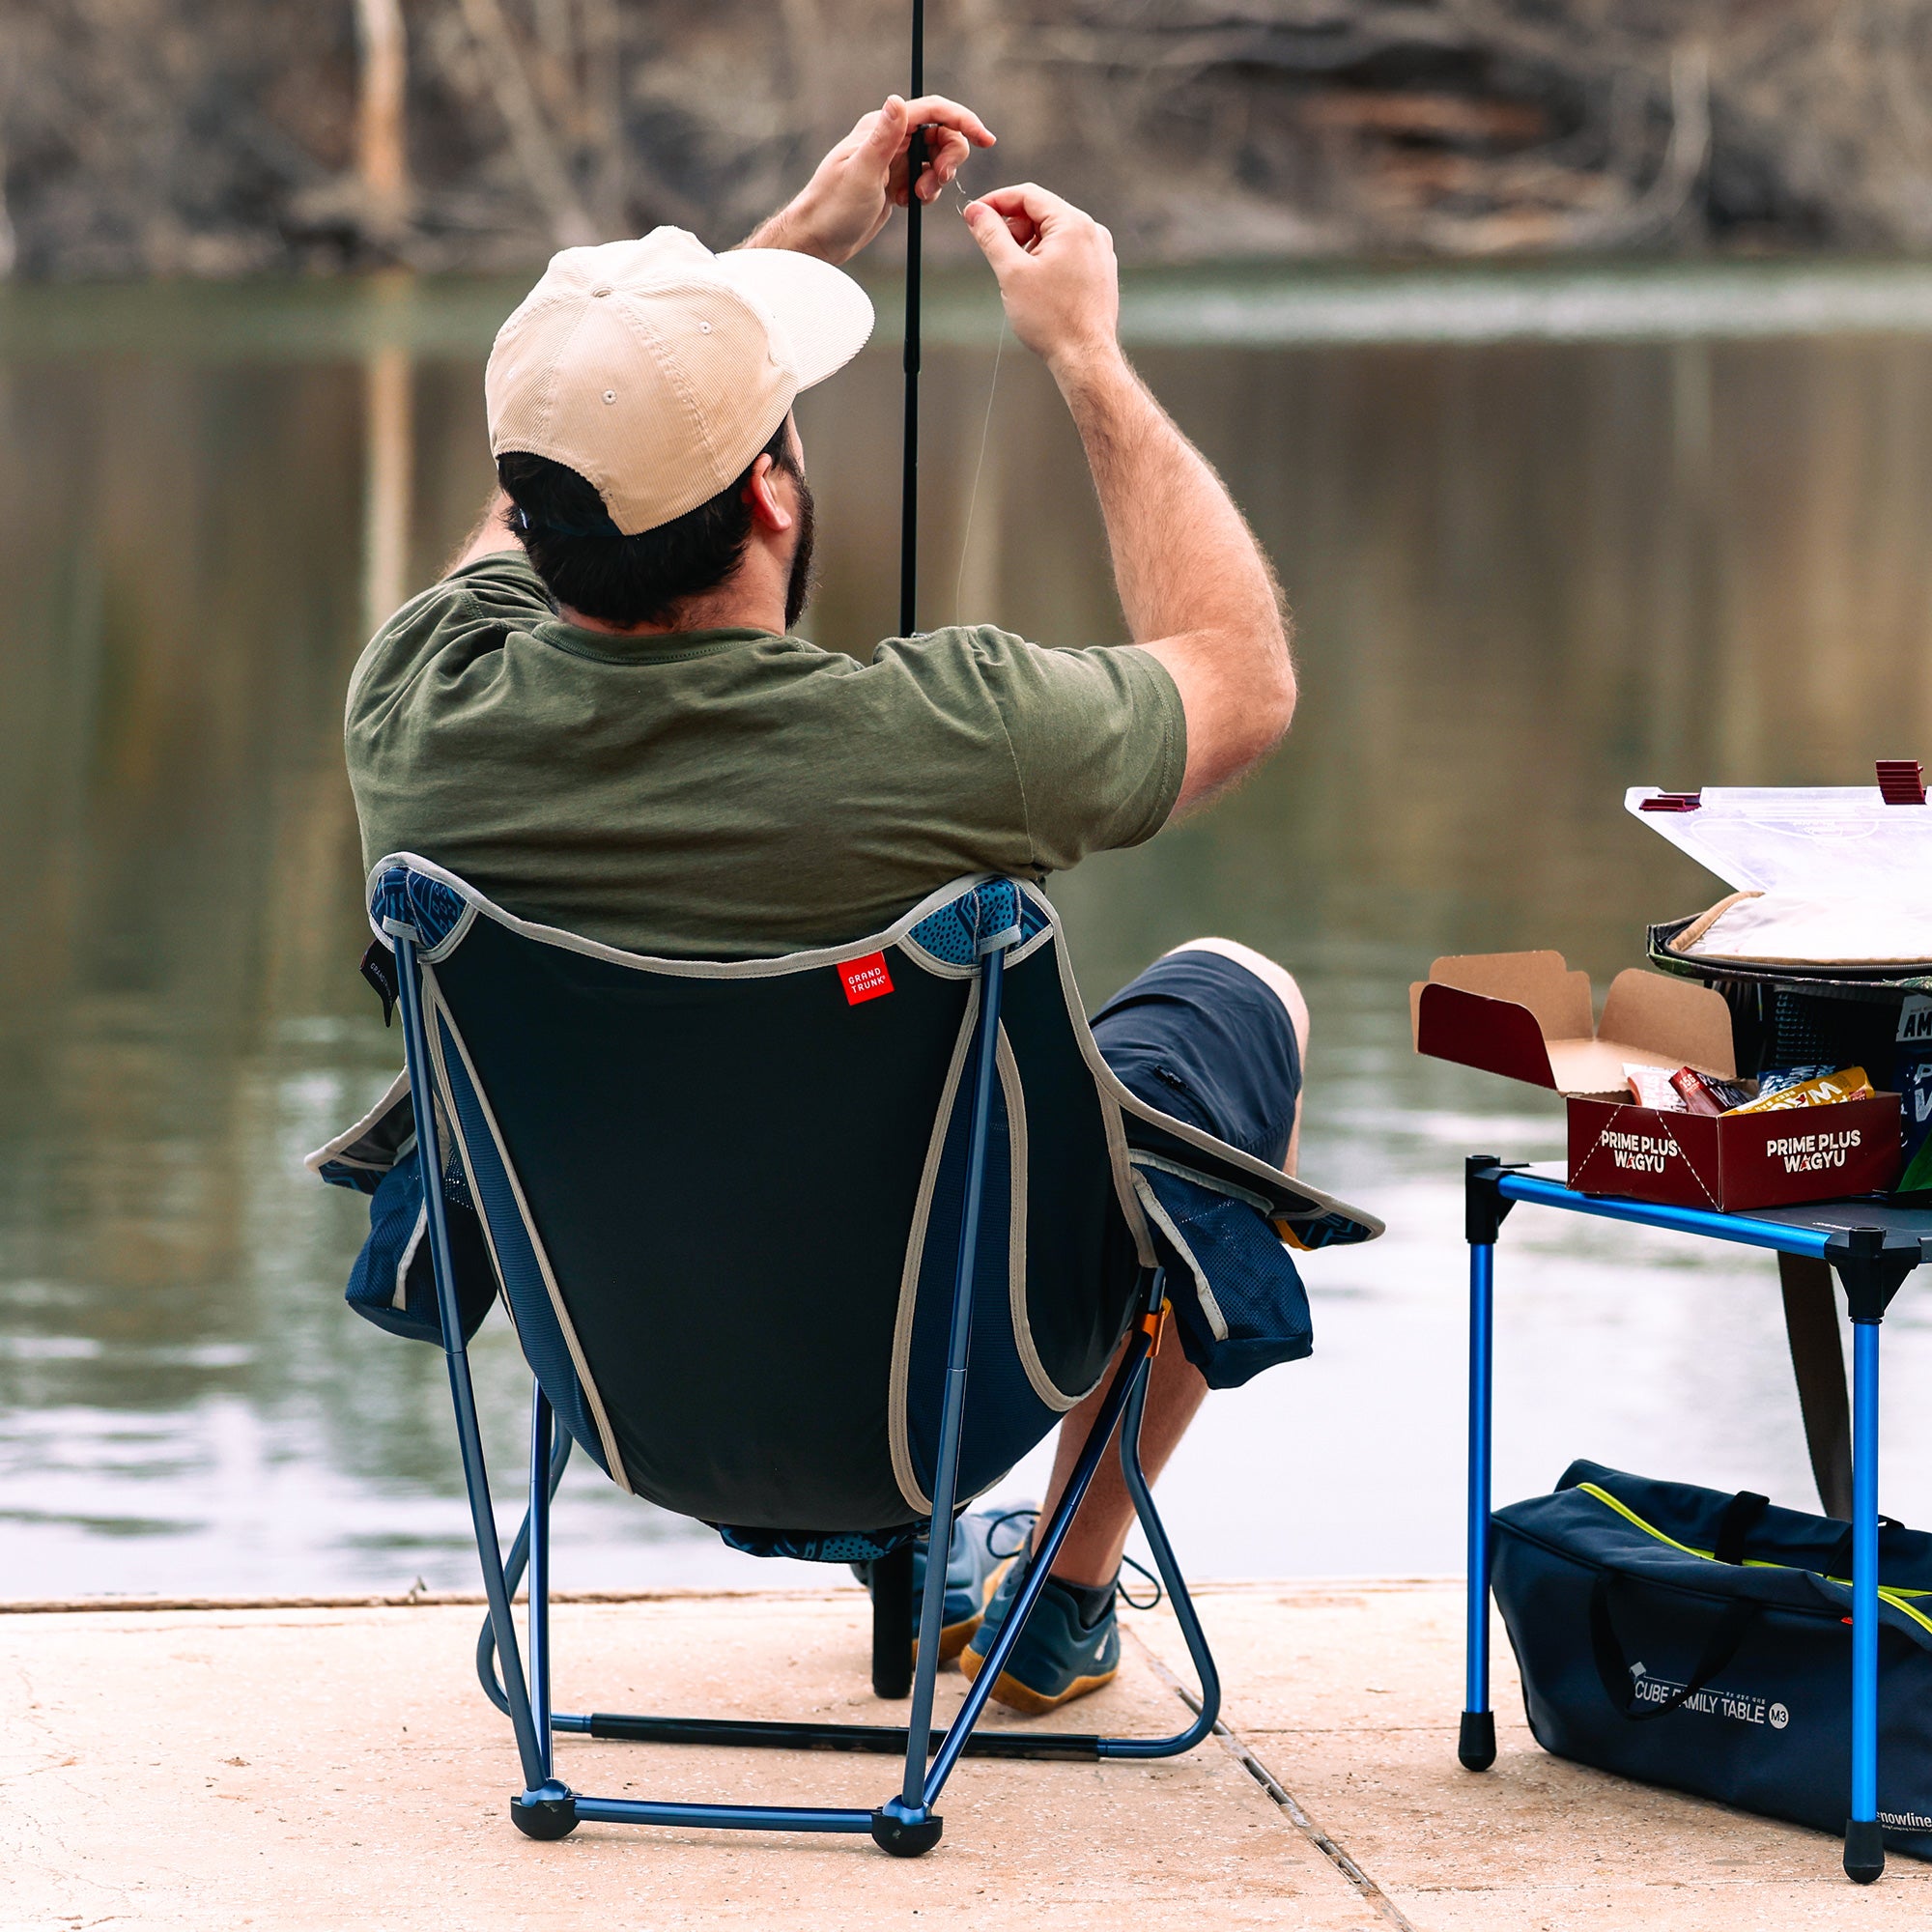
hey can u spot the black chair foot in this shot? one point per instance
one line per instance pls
(906, 1835)
(1864, 1850)
(1476, 1747)
(549, 1812)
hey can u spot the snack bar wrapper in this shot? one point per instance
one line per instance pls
(1775, 1080)
(1848, 1083)
(1705, 1093)
(1650, 1086)
(1913, 1071)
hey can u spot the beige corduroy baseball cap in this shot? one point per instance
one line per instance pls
(657, 370)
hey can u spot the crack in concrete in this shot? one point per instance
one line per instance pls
(1238, 1748)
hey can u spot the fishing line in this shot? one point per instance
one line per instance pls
(979, 467)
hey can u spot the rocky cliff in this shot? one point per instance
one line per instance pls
(232, 136)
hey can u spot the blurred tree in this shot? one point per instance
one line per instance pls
(381, 155)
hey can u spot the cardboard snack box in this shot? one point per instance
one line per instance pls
(1528, 1017)
(1735, 1161)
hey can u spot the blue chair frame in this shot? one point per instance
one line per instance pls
(907, 1823)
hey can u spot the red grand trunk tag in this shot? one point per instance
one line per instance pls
(865, 978)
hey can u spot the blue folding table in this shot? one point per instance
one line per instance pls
(1873, 1247)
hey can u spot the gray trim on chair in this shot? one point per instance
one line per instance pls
(339, 1148)
(1043, 1385)
(775, 966)
(1203, 1287)
(436, 1017)
(1291, 1200)
(915, 1261)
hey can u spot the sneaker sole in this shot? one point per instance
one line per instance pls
(1024, 1698)
(954, 1637)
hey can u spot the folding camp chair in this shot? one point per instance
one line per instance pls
(747, 1219)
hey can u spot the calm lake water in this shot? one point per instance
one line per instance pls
(1614, 528)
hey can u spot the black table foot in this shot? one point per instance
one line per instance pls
(1476, 1747)
(1864, 1850)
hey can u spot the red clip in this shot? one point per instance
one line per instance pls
(1672, 800)
(1901, 781)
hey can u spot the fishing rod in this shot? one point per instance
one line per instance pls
(909, 473)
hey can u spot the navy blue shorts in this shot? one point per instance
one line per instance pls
(1202, 1037)
(1205, 1039)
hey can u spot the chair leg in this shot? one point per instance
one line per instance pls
(960, 1739)
(541, 1426)
(543, 1810)
(513, 1574)
(1196, 1638)
(905, 1825)
(892, 1622)
(894, 1824)
(1129, 1378)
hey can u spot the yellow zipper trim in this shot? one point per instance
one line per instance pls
(1889, 1593)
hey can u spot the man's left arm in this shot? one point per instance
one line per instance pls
(858, 184)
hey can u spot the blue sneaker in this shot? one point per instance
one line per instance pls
(971, 1573)
(1061, 1655)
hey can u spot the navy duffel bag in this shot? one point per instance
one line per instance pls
(1701, 1640)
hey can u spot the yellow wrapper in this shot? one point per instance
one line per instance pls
(1848, 1083)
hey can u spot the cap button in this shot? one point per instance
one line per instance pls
(600, 292)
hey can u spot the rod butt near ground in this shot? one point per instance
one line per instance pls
(892, 1622)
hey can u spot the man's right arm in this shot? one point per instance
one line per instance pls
(1193, 583)
(492, 534)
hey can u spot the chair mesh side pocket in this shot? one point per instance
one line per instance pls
(393, 1282)
(1238, 1302)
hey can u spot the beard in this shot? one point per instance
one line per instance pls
(799, 585)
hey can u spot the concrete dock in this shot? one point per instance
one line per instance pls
(304, 1765)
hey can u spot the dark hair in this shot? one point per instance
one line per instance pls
(588, 564)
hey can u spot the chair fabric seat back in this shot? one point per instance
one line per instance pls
(723, 1199)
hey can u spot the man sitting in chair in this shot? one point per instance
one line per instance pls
(603, 717)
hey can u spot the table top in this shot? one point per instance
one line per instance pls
(1904, 1227)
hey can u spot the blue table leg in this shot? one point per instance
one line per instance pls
(1476, 1747)
(1864, 1840)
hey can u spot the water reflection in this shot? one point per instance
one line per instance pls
(1527, 576)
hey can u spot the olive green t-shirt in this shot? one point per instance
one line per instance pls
(725, 794)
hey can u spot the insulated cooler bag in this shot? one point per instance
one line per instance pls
(1700, 1641)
